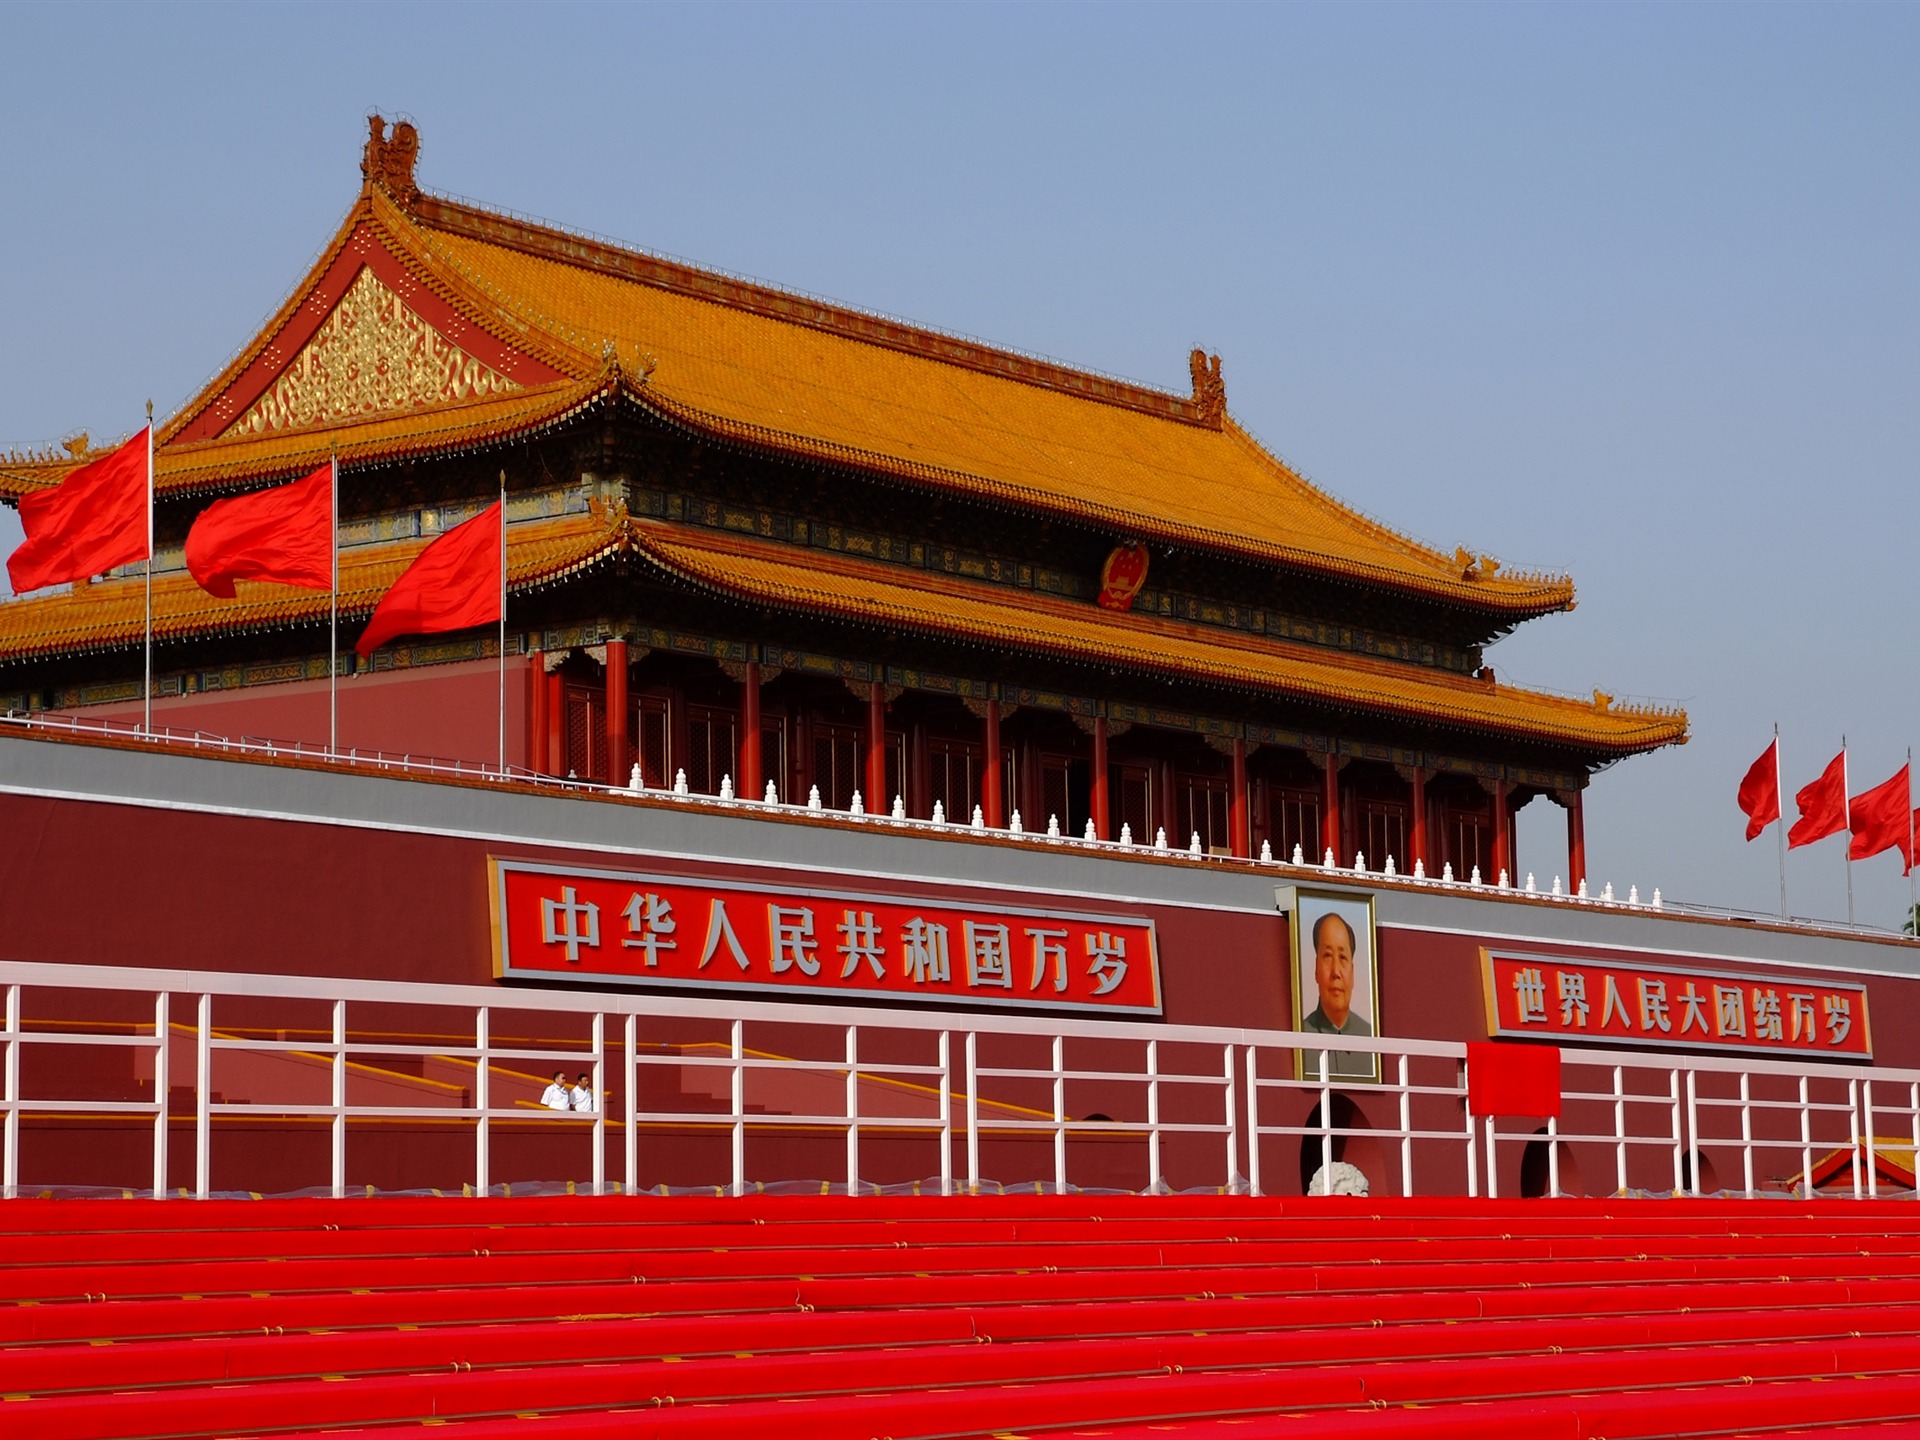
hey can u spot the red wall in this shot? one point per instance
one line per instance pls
(448, 712)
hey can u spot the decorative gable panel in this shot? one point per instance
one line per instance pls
(372, 354)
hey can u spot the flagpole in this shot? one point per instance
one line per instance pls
(333, 616)
(1780, 820)
(1846, 802)
(1913, 895)
(146, 689)
(503, 623)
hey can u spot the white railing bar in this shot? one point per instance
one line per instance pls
(973, 1112)
(1060, 1114)
(630, 1086)
(1153, 1116)
(853, 1110)
(482, 1101)
(737, 1044)
(1746, 1134)
(598, 1076)
(339, 1137)
(162, 1088)
(203, 1099)
(1253, 1120)
(1406, 1129)
(946, 1112)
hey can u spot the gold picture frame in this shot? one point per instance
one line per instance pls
(1308, 912)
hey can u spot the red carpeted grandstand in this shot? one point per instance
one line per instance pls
(923, 1316)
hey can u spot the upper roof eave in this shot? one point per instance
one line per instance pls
(763, 573)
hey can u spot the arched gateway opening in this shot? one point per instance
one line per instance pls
(1362, 1151)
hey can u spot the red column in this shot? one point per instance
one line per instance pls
(753, 782)
(537, 706)
(556, 722)
(1238, 820)
(1576, 842)
(1102, 805)
(990, 798)
(878, 801)
(1419, 837)
(617, 718)
(1502, 831)
(1330, 810)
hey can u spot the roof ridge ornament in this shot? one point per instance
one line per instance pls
(1209, 390)
(389, 157)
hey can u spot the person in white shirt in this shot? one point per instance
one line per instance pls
(583, 1094)
(557, 1096)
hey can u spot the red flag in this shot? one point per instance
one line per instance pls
(1760, 791)
(283, 534)
(1505, 1079)
(1883, 820)
(1823, 805)
(90, 522)
(454, 583)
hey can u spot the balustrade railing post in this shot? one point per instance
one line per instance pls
(1553, 1156)
(1853, 1123)
(1406, 1126)
(1873, 1170)
(946, 1112)
(203, 1100)
(632, 1088)
(1693, 1129)
(10, 1090)
(1473, 1142)
(338, 1123)
(1673, 1108)
(853, 1109)
(1913, 1113)
(162, 1087)
(1326, 1122)
(1059, 1114)
(1746, 1131)
(737, 1048)
(599, 1102)
(1253, 1119)
(1153, 1116)
(973, 1112)
(1620, 1129)
(1493, 1169)
(482, 1100)
(1233, 1114)
(1806, 1143)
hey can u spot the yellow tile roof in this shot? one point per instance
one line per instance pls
(787, 372)
(110, 614)
(791, 373)
(888, 597)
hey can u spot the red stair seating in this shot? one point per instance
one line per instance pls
(914, 1316)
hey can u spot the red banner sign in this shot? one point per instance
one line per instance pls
(1591, 1002)
(601, 926)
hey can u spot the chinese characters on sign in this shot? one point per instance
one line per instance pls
(600, 926)
(1575, 1001)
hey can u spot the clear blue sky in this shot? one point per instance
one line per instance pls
(1625, 290)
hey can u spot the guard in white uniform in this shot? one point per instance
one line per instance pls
(583, 1096)
(557, 1096)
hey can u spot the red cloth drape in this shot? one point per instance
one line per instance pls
(283, 534)
(1823, 805)
(453, 584)
(1513, 1079)
(1760, 791)
(90, 522)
